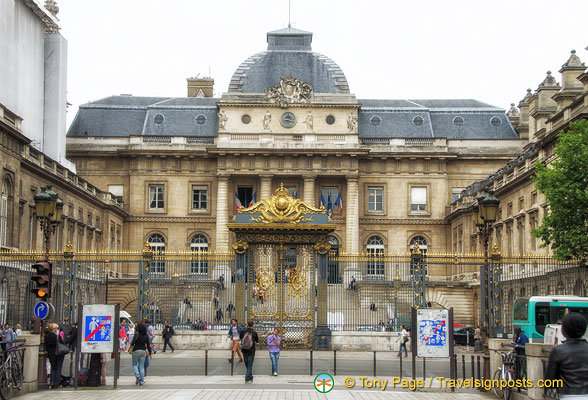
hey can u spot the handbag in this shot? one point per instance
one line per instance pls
(61, 349)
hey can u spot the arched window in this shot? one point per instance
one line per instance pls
(4, 208)
(199, 247)
(157, 243)
(375, 249)
(421, 241)
(333, 264)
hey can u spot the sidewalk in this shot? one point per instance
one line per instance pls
(294, 387)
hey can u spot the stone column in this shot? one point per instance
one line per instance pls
(352, 216)
(308, 195)
(535, 355)
(265, 191)
(222, 214)
(31, 362)
(351, 231)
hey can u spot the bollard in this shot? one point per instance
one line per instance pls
(424, 371)
(310, 362)
(478, 366)
(472, 369)
(400, 366)
(232, 363)
(205, 362)
(463, 366)
(334, 362)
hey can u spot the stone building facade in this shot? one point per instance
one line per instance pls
(540, 116)
(388, 168)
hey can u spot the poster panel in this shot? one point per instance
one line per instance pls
(98, 323)
(432, 334)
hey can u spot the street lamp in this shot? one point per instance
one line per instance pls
(49, 209)
(485, 213)
(396, 287)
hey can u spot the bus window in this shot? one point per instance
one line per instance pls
(560, 312)
(541, 317)
(521, 309)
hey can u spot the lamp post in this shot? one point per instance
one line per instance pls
(396, 287)
(49, 209)
(484, 216)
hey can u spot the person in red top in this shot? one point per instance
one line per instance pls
(122, 335)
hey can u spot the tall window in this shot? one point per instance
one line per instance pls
(375, 250)
(418, 199)
(333, 265)
(199, 247)
(157, 243)
(375, 199)
(245, 195)
(199, 198)
(329, 193)
(156, 197)
(4, 215)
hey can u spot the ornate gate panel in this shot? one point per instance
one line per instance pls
(281, 246)
(281, 292)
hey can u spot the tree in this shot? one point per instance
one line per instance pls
(564, 182)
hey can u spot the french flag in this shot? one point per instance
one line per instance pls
(237, 203)
(339, 203)
(252, 202)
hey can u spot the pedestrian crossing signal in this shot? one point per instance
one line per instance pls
(42, 279)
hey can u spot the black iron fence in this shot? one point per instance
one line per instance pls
(76, 278)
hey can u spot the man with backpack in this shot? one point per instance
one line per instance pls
(248, 338)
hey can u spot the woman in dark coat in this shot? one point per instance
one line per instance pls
(56, 361)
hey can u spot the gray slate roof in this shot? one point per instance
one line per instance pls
(130, 115)
(397, 119)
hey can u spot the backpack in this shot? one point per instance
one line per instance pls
(247, 342)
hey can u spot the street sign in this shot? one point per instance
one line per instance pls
(98, 324)
(432, 333)
(43, 310)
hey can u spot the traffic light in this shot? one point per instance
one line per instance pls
(42, 279)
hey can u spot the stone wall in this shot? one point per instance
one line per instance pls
(348, 341)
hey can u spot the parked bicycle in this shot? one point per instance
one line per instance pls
(506, 372)
(11, 372)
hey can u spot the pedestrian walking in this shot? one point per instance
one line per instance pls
(248, 338)
(569, 361)
(273, 344)
(235, 336)
(18, 330)
(168, 332)
(141, 347)
(219, 315)
(150, 335)
(403, 341)
(230, 309)
(52, 339)
(122, 335)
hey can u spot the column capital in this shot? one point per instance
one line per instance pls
(309, 177)
(223, 177)
(351, 178)
(266, 176)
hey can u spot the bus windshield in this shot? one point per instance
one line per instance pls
(521, 309)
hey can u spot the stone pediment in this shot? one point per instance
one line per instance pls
(290, 90)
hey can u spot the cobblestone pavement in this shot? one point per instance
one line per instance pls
(230, 388)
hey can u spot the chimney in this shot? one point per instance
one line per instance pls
(200, 87)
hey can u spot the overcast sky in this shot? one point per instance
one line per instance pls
(491, 51)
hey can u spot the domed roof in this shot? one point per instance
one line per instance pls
(288, 53)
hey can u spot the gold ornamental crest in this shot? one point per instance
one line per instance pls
(282, 208)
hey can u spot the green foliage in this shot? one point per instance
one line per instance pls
(564, 182)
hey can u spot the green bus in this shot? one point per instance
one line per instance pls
(534, 313)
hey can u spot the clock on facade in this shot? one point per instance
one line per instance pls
(288, 119)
